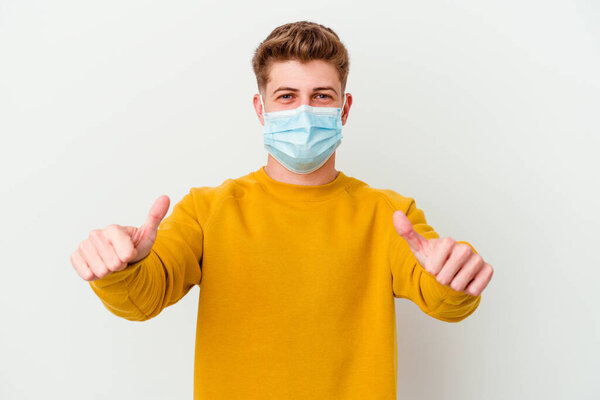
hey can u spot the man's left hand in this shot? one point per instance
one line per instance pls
(453, 264)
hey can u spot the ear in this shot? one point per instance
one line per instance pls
(258, 108)
(346, 109)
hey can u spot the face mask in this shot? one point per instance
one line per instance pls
(304, 138)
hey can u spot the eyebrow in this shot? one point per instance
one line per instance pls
(285, 88)
(291, 89)
(326, 88)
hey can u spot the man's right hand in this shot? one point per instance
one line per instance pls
(113, 248)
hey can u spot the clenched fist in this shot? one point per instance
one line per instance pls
(453, 264)
(111, 249)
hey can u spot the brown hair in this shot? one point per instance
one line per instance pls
(302, 41)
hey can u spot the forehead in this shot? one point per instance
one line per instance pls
(302, 75)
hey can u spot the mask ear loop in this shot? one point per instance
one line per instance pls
(343, 105)
(263, 104)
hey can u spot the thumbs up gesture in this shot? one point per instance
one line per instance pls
(111, 249)
(453, 264)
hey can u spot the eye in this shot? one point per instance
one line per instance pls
(323, 96)
(286, 96)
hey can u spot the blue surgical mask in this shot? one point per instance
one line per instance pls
(303, 139)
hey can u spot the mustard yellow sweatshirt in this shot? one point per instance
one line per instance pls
(297, 287)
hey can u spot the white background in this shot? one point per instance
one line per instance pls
(487, 113)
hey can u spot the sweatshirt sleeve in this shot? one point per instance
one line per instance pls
(411, 281)
(173, 266)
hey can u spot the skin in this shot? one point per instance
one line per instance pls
(111, 249)
(453, 264)
(290, 84)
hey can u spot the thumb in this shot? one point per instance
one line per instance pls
(416, 242)
(157, 213)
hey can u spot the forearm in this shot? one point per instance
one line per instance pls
(454, 306)
(445, 303)
(134, 292)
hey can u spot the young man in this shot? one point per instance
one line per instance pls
(298, 264)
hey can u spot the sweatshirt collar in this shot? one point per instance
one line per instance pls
(290, 191)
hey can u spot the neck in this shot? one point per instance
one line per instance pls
(325, 174)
